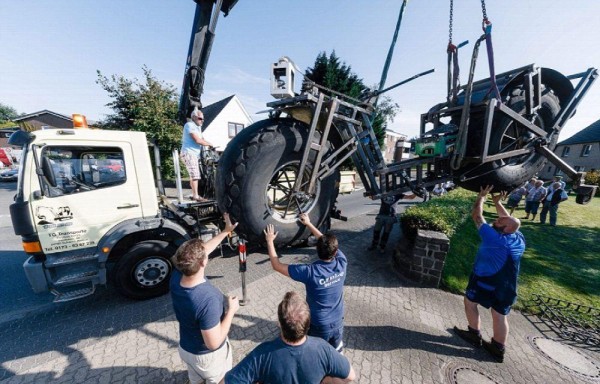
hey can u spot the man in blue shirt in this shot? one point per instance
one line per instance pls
(204, 321)
(191, 146)
(493, 282)
(293, 357)
(324, 281)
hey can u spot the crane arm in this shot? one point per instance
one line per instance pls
(201, 39)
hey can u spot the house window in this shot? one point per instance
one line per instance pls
(579, 168)
(550, 169)
(234, 128)
(565, 152)
(586, 150)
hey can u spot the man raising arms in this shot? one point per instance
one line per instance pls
(493, 281)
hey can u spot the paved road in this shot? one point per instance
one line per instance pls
(395, 331)
(16, 297)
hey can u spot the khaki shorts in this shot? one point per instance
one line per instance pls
(191, 163)
(210, 367)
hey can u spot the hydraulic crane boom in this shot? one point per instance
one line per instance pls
(201, 39)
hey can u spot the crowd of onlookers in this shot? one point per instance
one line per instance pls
(537, 195)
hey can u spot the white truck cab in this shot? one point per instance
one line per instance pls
(87, 198)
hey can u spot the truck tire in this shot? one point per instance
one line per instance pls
(145, 270)
(256, 175)
(509, 173)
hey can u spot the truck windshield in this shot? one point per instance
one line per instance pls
(68, 170)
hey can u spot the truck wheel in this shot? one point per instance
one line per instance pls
(145, 270)
(507, 135)
(256, 175)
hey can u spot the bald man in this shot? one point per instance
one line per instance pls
(493, 281)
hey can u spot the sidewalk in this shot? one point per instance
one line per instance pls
(395, 332)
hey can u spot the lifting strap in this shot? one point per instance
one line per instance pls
(453, 67)
(486, 25)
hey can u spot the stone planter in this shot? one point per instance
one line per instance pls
(423, 262)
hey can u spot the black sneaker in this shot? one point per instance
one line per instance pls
(492, 348)
(382, 250)
(471, 337)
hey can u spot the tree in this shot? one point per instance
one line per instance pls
(329, 72)
(150, 106)
(7, 113)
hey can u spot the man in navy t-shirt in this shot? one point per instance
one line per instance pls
(324, 281)
(493, 282)
(199, 307)
(293, 357)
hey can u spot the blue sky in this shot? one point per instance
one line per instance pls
(52, 49)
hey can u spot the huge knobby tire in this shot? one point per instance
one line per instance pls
(258, 169)
(506, 135)
(145, 270)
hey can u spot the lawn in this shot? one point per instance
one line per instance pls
(561, 262)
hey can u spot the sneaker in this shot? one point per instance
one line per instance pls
(492, 348)
(471, 337)
(381, 250)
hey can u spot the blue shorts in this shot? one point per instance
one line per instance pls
(331, 333)
(488, 296)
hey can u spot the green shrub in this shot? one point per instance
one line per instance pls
(593, 178)
(441, 214)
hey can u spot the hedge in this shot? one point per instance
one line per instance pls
(442, 214)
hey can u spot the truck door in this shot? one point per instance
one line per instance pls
(84, 192)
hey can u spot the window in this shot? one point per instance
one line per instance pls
(550, 169)
(234, 128)
(565, 152)
(586, 150)
(68, 170)
(579, 168)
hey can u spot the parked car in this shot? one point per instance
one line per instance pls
(9, 174)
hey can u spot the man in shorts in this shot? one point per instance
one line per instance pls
(534, 197)
(493, 281)
(204, 320)
(191, 147)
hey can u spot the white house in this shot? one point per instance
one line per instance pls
(396, 147)
(223, 120)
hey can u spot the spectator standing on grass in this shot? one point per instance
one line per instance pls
(204, 321)
(534, 197)
(556, 196)
(493, 281)
(293, 357)
(515, 198)
(324, 281)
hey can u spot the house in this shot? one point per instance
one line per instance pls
(581, 151)
(44, 120)
(5, 134)
(223, 120)
(396, 147)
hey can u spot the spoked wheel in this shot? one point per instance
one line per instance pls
(285, 204)
(508, 135)
(256, 176)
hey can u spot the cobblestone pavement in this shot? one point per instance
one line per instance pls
(395, 331)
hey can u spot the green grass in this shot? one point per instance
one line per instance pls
(561, 262)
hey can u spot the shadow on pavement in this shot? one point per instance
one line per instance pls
(389, 338)
(79, 370)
